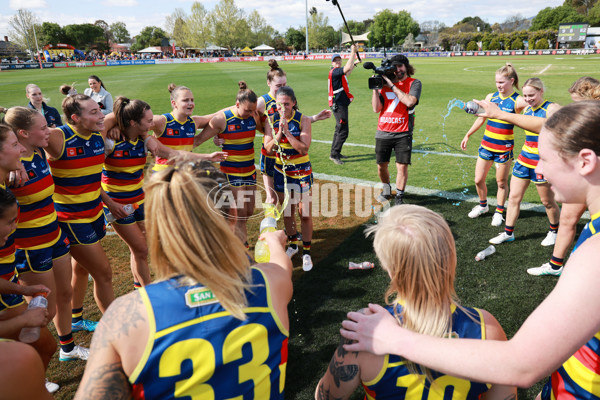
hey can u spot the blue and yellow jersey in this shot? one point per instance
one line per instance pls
(77, 173)
(530, 155)
(38, 224)
(296, 164)
(196, 349)
(8, 269)
(579, 376)
(395, 381)
(498, 136)
(239, 145)
(123, 173)
(176, 135)
(271, 113)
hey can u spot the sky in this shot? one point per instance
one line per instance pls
(281, 15)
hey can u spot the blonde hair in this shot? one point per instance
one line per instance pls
(509, 72)
(416, 247)
(535, 83)
(188, 235)
(174, 90)
(586, 87)
(20, 118)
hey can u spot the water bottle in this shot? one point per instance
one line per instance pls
(30, 334)
(473, 108)
(484, 253)
(128, 208)
(261, 250)
(362, 265)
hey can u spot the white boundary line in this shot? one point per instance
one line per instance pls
(545, 69)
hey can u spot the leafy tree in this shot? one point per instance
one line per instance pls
(120, 32)
(358, 28)
(199, 26)
(320, 34)
(83, 36)
(149, 36)
(295, 38)
(472, 46)
(494, 45)
(550, 18)
(542, 44)
(51, 33)
(229, 26)
(432, 30)
(475, 22)
(392, 28)
(176, 24)
(260, 31)
(107, 34)
(517, 44)
(582, 6)
(594, 15)
(21, 29)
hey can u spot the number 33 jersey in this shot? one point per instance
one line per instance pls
(198, 350)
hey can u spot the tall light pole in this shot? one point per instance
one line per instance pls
(306, 3)
(393, 41)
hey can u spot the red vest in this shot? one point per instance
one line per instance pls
(394, 114)
(344, 87)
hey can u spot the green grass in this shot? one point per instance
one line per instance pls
(322, 297)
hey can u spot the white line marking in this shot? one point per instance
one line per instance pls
(545, 69)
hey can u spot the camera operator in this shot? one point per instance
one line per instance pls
(395, 103)
(339, 100)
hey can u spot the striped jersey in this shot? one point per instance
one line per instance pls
(271, 113)
(579, 376)
(196, 349)
(296, 164)
(8, 270)
(395, 381)
(499, 136)
(530, 155)
(239, 145)
(123, 173)
(77, 174)
(38, 224)
(176, 135)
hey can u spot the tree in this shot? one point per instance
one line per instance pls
(229, 26)
(409, 42)
(295, 38)
(494, 45)
(260, 31)
(472, 46)
(320, 34)
(475, 22)
(107, 34)
(392, 28)
(120, 32)
(21, 30)
(51, 33)
(177, 27)
(149, 36)
(199, 26)
(432, 29)
(582, 6)
(516, 44)
(550, 18)
(594, 15)
(542, 44)
(358, 28)
(515, 22)
(83, 36)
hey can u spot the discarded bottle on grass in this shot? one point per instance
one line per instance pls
(261, 250)
(473, 108)
(128, 208)
(362, 265)
(484, 253)
(31, 334)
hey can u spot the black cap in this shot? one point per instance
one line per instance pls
(400, 59)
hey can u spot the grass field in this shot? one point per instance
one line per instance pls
(323, 296)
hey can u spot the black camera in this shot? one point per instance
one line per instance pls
(387, 68)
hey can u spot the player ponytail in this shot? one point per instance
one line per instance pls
(175, 90)
(274, 71)
(127, 110)
(71, 105)
(245, 95)
(509, 72)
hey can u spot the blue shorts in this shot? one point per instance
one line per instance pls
(298, 185)
(84, 233)
(499, 158)
(138, 215)
(239, 181)
(40, 260)
(11, 300)
(267, 165)
(523, 172)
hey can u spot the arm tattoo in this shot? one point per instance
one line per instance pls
(340, 371)
(123, 314)
(108, 382)
(324, 394)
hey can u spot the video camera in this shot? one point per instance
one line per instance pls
(387, 68)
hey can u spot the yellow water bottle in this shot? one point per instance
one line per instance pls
(261, 250)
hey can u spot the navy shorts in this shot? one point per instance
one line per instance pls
(523, 172)
(136, 216)
(267, 165)
(40, 260)
(85, 233)
(499, 158)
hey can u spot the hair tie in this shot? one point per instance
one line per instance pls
(72, 92)
(126, 101)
